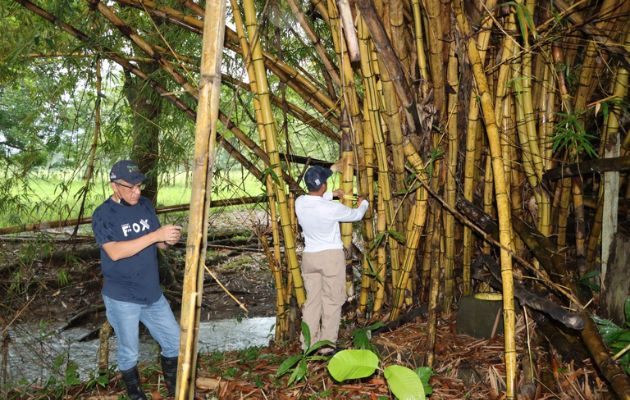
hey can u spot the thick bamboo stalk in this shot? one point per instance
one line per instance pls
(434, 289)
(502, 201)
(381, 262)
(283, 295)
(524, 82)
(348, 30)
(420, 48)
(204, 157)
(378, 141)
(281, 328)
(369, 260)
(398, 34)
(347, 185)
(272, 149)
(451, 181)
(473, 131)
(436, 56)
(488, 197)
(418, 219)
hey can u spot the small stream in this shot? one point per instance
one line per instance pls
(38, 352)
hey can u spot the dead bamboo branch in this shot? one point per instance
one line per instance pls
(597, 165)
(162, 210)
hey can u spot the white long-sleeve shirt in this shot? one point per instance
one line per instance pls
(319, 218)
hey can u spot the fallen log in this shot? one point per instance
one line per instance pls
(544, 251)
(527, 298)
(597, 165)
(88, 220)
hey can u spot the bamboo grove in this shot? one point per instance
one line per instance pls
(436, 107)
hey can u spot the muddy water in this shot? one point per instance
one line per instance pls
(40, 352)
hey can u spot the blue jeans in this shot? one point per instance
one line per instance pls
(125, 318)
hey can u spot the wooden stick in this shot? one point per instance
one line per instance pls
(226, 290)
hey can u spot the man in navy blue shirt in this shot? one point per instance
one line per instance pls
(127, 229)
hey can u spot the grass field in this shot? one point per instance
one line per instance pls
(59, 196)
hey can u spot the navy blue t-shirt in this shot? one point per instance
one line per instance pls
(134, 279)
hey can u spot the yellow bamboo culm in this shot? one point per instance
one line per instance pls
(282, 295)
(347, 175)
(381, 266)
(502, 201)
(434, 288)
(473, 130)
(451, 182)
(418, 219)
(203, 165)
(272, 150)
(420, 50)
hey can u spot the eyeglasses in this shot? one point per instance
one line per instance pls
(139, 186)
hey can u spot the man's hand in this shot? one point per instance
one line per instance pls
(169, 234)
(359, 200)
(339, 193)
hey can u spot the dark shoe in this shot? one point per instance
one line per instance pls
(169, 370)
(328, 351)
(132, 381)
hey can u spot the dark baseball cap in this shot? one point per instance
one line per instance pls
(126, 170)
(316, 176)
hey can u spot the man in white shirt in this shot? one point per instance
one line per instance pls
(323, 260)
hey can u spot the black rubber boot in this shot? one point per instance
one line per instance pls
(169, 370)
(132, 381)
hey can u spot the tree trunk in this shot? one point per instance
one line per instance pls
(146, 107)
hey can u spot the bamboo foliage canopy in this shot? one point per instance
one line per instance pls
(425, 104)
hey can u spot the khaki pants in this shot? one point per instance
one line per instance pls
(324, 275)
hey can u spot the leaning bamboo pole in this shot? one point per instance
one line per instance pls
(300, 84)
(272, 149)
(502, 201)
(204, 158)
(473, 131)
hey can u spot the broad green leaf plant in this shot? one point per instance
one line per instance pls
(298, 363)
(403, 382)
